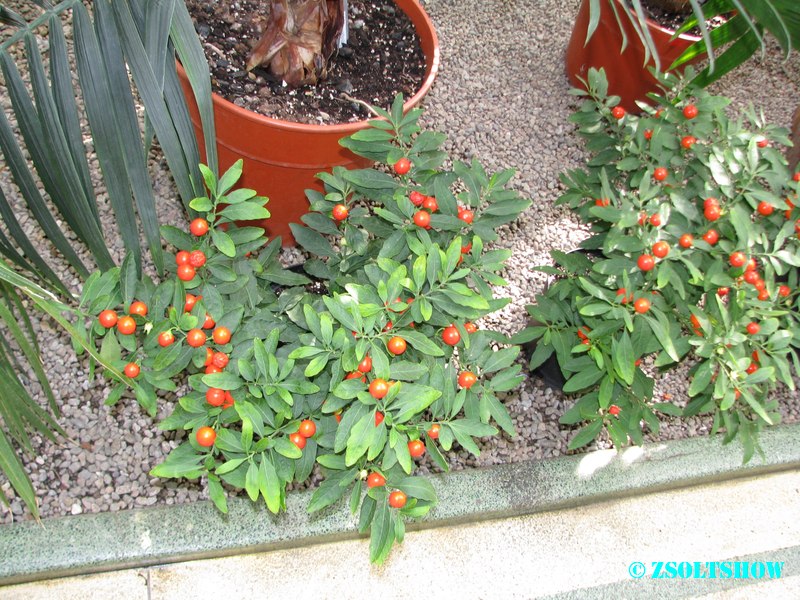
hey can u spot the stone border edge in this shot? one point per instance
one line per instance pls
(92, 543)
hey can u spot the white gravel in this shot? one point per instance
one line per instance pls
(501, 97)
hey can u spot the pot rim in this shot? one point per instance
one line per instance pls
(655, 25)
(431, 69)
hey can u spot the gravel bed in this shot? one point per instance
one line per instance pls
(501, 96)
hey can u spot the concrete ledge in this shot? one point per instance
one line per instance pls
(109, 541)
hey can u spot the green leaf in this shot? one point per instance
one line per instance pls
(110, 350)
(583, 379)
(501, 359)
(660, 327)
(417, 487)
(285, 447)
(586, 434)
(217, 494)
(269, 484)
(245, 211)
(13, 470)
(381, 533)
(412, 400)
(359, 439)
(404, 370)
(422, 343)
(127, 280)
(183, 461)
(224, 381)
(313, 242)
(701, 379)
(339, 312)
(223, 242)
(623, 357)
(332, 488)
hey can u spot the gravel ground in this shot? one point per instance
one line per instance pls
(507, 113)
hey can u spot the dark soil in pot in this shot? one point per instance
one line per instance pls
(381, 59)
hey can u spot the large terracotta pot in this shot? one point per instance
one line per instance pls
(627, 74)
(281, 158)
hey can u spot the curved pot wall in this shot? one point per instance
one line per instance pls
(281, 158)
(627, 75)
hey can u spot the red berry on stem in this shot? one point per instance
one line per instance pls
(402, 166)
(422, 218)
(198, 227)
(641, 306)
(450, 335)
(197, 259)
(307, 428)
(206, 436)
(132, 370)
(646, 262)
(660, 249)
(186, 272)
(397, 499)
(416, 448)
(765, 208)
(430, 204)
(108, 318)
(375, 480)
(298, 440)
(711, 237)
(467, 379)
(737, 259)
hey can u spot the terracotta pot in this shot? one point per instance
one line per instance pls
(281, 158)
(627, 75)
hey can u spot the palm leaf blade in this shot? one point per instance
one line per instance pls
(40, 266)
(36, 203)
(78, 208)
(153, 100)
(12, 468)
(191, 55)
(64, 96)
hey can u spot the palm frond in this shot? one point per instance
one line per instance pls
(742, 34)
(20, 413)
(117, 38)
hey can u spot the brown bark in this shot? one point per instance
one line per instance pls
(299, 38)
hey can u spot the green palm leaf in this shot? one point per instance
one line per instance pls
(136, 36)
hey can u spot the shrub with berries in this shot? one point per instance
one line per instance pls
(363, 364)
(697, 263)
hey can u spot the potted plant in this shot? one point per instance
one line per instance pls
(362, 368)
(618, 37)
(694, 242)
(265, 142)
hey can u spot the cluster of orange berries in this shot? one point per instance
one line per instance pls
(189, 262)
(306, 430)
(126, 325)
(397, 499)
